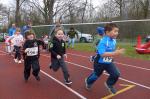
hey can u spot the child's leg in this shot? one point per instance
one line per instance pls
(114, 74)
(35, 67)
(98, 70)
(16, 52)
(19, 53)
(54, 64)
(64, 69)
(46, 47)
(9, 49)
(27, 69)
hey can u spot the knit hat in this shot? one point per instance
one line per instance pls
(100, 30)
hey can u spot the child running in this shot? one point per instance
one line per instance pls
(31, 55)
(58, 52)
(104, 60)
(17, 42)
(9, 45)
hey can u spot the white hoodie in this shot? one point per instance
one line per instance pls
(17, 40)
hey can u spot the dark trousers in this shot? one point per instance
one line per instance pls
(111, 69)
(17, 52)
(56, 64)
(28, 63)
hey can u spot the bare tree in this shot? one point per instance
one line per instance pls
(145, 7)
(17, 13)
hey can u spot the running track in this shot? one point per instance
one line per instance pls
(133, 83)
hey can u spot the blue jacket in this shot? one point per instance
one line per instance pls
(12, 31)
(106, 44)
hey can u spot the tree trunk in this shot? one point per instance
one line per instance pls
(48, 15)
(84, 9)
(17, 15)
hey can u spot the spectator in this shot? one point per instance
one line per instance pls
(72, 34)
(12, 30)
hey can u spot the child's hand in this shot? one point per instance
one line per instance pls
(120, 51)
(65, 55)
(26, 50)
(58, 57)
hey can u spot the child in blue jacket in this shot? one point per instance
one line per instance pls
(106, 50)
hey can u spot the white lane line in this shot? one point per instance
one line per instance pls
(127, 65)
(68, 88)
(81, 66)
(141, 85)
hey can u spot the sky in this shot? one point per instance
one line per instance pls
(95, 2)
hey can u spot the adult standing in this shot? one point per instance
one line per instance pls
(12, 30)
(72, 34)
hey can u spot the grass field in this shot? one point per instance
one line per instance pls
(130, 50)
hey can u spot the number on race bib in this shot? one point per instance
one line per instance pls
(32, 51)
(107, 59)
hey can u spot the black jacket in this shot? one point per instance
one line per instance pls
(57, 47)
(32, 44)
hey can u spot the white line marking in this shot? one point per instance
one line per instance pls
(127, 65)
(78, 65)
(144, 86)
(73, 91)
(68, 88)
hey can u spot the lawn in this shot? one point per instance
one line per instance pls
(130, 51)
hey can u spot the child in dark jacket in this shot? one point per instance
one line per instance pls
(31, 55)
(58, 52)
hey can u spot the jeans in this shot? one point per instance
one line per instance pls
(111, 69)
(71, 41)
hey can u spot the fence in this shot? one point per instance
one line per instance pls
(128, 29)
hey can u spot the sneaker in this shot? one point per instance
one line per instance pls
(68, 82)
(26, 80)
(37, 78)
(22, 60)
(50, 67)
(111, 89)
(88, 87)
(19, 62)
(16, 61)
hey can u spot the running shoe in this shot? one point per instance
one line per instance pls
(19, 62)
(37, 78)
(111, 89)
(68, 82)
(88, 87)
(16, 61)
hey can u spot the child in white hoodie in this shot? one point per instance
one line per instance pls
(17, 42)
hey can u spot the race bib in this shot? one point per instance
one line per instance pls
(107, 59)
(32, 51)
(63, 44)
